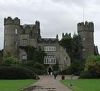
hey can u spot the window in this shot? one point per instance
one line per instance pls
(16, 32)
(24, 42)
(24, 57)
(83, 49)
(49, 60)
(49, 48)
(83, 38)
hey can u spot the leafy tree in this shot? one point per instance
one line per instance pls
(66, 42)
(92, 67)
(9, 60)
(93, 62)
(73, 47)
(76, 47)
(1, 56)
(34, 54)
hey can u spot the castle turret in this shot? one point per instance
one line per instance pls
(11, 27)
(37, 29)
(86, 32)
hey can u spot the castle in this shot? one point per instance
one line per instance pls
(16, 35)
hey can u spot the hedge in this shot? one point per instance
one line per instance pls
(90, 75)
(16, 72)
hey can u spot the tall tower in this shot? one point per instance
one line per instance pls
(86, 32)
(37, 30)
(11, 29)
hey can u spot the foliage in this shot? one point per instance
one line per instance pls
(66, 42)
(35, 59)
(92, 68)
(38, 65)
(9, 60)
(34, 54)
(73, 47)
(15, 72)
(76, 47)
(55, 67)
(1, 56)
(92, 61)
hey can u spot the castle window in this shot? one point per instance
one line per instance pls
(49, 60)
(83, 49)
(24, 42)
(83, 38)
(49, 48)
(16, 32)
(24, 57)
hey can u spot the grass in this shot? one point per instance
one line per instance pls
(84, 84)
(14, 85)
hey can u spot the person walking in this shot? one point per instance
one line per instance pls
(50, 70)
(55, 74)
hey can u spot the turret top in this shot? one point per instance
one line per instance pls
(85, 26)
(10, 21)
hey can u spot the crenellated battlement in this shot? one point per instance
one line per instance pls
(10, 21)
(85, 26)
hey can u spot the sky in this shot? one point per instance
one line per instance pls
(55, 16)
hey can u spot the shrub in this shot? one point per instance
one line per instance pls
(89, 75)
(15, 72)
(39, 68)
(92, 68)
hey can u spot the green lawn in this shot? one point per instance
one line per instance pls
(14, 85)
(84, 84)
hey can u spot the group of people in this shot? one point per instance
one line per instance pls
(51, 72)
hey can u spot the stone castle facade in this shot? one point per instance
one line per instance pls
(86, 32)
(16, 35)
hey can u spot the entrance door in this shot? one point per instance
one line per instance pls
(50, 70)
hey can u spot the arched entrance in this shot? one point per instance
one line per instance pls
(50, 70)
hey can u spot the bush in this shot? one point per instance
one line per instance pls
(85, 74)
(89, 75)
(15, 72)
(39, 68)
(71, 70)
(65, 72)
(39, 71)
(92, 68)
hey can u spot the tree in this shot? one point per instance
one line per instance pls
(76, 47)
(34, 55)
(9, 60)
(93, 62)
(73, 47)
(66, 42)
(1, 56)
(92, 67)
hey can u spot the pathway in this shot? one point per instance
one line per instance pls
(48, 83)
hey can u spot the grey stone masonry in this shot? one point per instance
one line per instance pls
(17, 36)
(86, 32)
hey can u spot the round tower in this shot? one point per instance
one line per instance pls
(11, 27)
(86, 32)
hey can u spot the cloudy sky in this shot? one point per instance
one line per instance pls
(55, 16)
